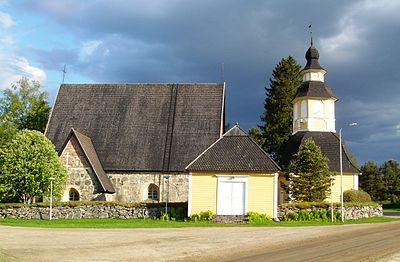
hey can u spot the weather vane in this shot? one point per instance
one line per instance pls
(64, 72)
(310, 27)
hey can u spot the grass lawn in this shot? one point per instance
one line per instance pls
(150, 223)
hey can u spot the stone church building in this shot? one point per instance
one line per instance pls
(132, 142)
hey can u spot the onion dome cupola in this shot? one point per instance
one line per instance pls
(314, 103)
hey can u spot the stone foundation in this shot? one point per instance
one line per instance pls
(222, 219)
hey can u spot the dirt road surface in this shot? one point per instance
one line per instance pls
(364, 242)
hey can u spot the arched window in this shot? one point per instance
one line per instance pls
(73, 195)
(153, 192)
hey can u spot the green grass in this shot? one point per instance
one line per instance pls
(150, 223)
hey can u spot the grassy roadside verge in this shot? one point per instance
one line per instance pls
(150, 223)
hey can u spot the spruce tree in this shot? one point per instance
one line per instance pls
(371, 181)
(278, 108)
(308, 174)
(391, 176)
(256, 135)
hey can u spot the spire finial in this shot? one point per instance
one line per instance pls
(310, 27)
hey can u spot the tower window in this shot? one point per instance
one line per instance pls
(153, 192)
(73, 195)
(303, 108)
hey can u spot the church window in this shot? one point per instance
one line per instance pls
(303, 108)
(73, 195)
(152, 192)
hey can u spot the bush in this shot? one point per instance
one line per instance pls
(202, 216)
(292, 216)
(195, 217)
(356, 196)
(206, 215)
(255, 217)
(315, 215)
(304, 215)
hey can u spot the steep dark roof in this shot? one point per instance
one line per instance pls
(90, 153)
(314, 89)
(140, 127)
(235, 151)
(312, 57)
(329, 144)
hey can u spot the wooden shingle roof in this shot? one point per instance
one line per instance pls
(140, 127)
(329, 144)
(235, 151)
(315, 89)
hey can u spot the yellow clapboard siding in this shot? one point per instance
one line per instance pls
(261, 194)
(204, 193)
(348, 183)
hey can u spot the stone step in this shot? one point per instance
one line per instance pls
(230, 219)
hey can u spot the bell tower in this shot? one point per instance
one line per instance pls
(314, 103)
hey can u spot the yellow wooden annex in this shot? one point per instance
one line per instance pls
(233, 176)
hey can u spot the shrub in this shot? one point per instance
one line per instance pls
(324, 215)
(206, 215)
(255, 217)
(194, 217)
(291, 216)
(356, 196)
(164, 216)
(304, 215)
(202, 216)
(315, 215)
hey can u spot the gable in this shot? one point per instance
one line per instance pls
(235, 151)
(81, 146)
(141, 127)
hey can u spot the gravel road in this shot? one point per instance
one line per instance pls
(186, 244)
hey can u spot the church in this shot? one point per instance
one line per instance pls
(157, 143)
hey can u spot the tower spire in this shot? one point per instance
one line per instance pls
(310, 27)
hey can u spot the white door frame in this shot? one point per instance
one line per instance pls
(232, 179)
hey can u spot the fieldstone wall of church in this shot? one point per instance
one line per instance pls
(133, 187)
(80, 175)
(105, 210)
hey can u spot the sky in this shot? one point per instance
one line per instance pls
(173, 41)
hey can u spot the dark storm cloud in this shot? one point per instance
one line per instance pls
(186, 41)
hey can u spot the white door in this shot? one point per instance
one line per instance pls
(231, 198)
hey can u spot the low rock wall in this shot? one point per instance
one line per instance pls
(353, 212)
(84, 211)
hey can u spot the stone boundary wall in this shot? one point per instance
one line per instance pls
(353, 212)
(86, 211)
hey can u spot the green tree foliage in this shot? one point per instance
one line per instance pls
(308, 174)
(256, 135)
(278, 108)
(26, 164)
(371, 181)
(391, 176)
(23, 106)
